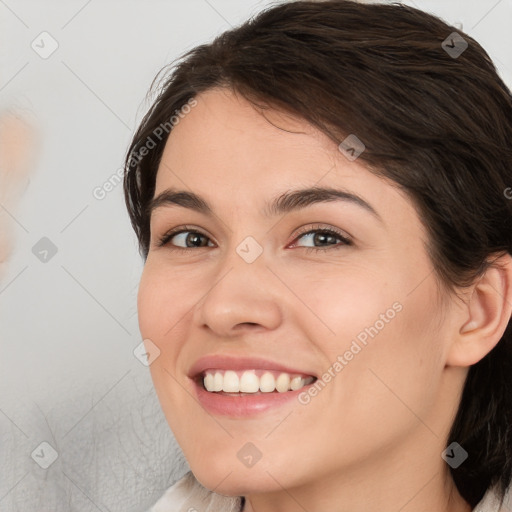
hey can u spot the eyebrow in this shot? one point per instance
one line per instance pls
(285, 203)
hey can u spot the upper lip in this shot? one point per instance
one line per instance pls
(227, 362)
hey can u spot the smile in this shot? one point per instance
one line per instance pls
(253, 381)
(241, 387)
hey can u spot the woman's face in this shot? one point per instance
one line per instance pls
(271, 285)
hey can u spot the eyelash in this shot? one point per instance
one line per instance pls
(165, 239)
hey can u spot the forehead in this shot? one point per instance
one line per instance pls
(225, 137)
(228, 151)
(225, 126)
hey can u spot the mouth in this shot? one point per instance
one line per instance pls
(248, 393)
(241, 386)
(251, 381)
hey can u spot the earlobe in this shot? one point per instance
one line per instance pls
(485, 316)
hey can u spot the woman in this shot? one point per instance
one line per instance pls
(327, 289)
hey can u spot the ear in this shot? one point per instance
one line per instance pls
(485, 315)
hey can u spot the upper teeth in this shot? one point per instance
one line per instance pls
(249, 382)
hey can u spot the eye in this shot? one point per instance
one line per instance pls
(183, 234)
(192, 238)
(319, 234)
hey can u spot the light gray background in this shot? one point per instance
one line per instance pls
(68, 326)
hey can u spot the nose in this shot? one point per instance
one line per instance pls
(240, 296)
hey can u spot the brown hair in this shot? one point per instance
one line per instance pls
(436, 124)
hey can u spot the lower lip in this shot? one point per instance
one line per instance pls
(242, 406)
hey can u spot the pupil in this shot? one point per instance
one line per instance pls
(321, 237)
(195, 238)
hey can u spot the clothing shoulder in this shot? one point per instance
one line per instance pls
(491, 502)
(188, 495)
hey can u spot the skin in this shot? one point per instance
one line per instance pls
(372, 439)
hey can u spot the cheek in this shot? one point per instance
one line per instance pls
(161, 309)
(379, 340)
(392, 367)
(160, 301)
(344, 305)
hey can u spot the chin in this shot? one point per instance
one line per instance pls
(238, 483)
(229, 477)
